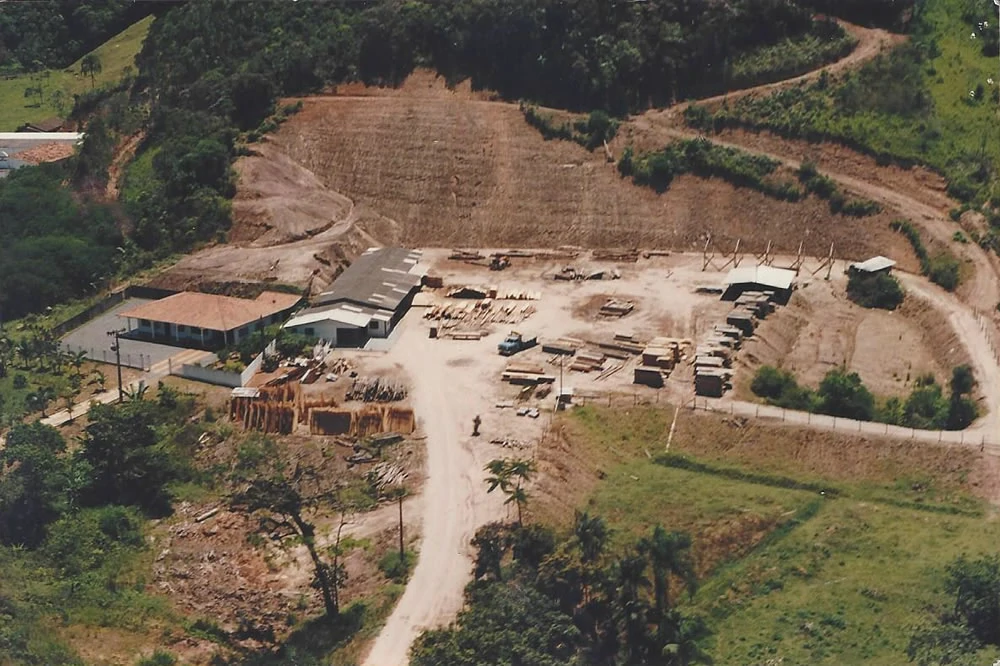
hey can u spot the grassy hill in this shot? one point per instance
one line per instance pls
(116, 54)
(810, 548)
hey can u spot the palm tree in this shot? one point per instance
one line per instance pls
(502, 473)
(670, 555)
(100, 379)
(137, 394)
(91, 66)
(592, 535)
(77, 359)
(39, 400)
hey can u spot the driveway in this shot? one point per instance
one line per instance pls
(93, 339)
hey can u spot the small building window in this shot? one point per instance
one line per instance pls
(373, 325)
(181, 328)
(311, 332)
(242, 332)
(195, 330)
(144, 323)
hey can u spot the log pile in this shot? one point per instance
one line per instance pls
(630, 256)
(368, 421)
(386, 474)
(588, 361)
(375, 389)
(562, 346)
(486, 311)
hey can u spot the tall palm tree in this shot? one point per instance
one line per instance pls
(670, 555)
(510, 475)
(592, 535)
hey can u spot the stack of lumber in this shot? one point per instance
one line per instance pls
(620, 349)
(588, 361)
(481, 311)
(465, 255)
(616, 255)
(616, 308)
(517, 295)
(527, 373)
(564, 346)
(465, 335)
(375, 389)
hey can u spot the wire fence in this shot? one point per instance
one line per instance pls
(749, 410)
(129, 360)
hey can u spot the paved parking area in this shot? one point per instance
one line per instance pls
(93, 338)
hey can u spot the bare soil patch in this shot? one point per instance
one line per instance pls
(821, 330)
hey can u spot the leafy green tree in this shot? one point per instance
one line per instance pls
(874, 291)
(125, 460)
(91, 66)
(502, 624)
(843, 394)
(35, 483)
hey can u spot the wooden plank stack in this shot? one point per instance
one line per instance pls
(616, 308)
(588, 360)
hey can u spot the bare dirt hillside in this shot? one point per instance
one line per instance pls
(432, 166)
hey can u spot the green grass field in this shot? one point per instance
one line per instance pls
(116, 54)
(789, 575)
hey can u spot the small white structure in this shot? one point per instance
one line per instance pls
(872, 266)
(759, 278)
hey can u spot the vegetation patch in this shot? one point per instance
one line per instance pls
(879, 290)
(590, 132)
(791, 57)
(842, 394)
(942, 269)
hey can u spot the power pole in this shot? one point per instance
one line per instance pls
(117, 349)
(402, 550)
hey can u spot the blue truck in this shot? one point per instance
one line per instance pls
(516, 342)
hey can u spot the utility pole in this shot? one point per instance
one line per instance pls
(402, 550)
(117, 349)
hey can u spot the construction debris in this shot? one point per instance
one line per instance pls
(375, 389)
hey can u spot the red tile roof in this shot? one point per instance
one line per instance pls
(217, 313)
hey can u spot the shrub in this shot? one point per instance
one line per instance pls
(861, 208)
(944, 270)
(843, 394)
(394, 567)
(874, 291)
(770, 382)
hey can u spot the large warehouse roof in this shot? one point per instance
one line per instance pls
(776, 278)
(216, 313)
(379, 278)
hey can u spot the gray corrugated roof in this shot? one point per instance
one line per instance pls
(379, 278)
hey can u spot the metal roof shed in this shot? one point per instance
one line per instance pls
(874, 265)
(759, 278)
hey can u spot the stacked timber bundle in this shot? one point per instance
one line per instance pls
(271, 410)
(465, 255)
(484, 311)
(562, 346)
(630, 256)
(621, 349)
(588, 361)
(368, 421)
(525, 373)
(616, 308)
(376, 389)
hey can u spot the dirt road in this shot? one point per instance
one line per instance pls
(449, 388)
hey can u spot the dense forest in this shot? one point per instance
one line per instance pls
(52, 247)
(210, 74)
(54, 33)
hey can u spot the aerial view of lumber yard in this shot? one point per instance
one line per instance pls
(482, 333)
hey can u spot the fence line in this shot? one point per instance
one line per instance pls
(129, 360)
(793, 417)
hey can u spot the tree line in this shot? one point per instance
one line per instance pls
(546, 597)
(843, 394)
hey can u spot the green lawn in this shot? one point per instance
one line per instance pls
(789, 574)
(116, 54)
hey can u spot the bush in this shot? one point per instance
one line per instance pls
(770, 382)
(843, 394)
(861, 208)
(944, 270)
(874, 291)
(395, 568)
